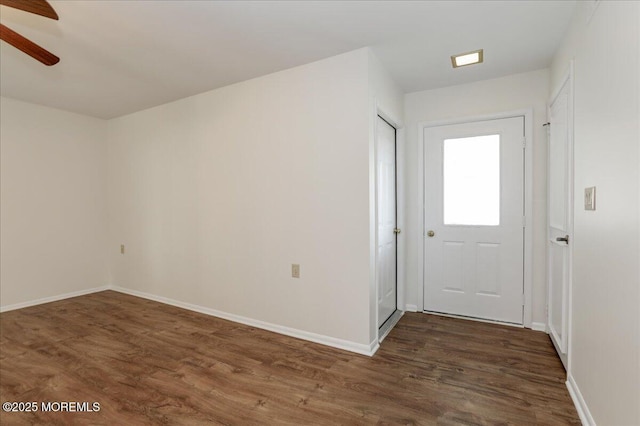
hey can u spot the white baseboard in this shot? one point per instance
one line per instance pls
(52, 298)
(362, 349)
(347, 345)
(578, 401)
(411, 308)
(539, 326)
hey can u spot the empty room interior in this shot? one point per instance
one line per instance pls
(320, 212)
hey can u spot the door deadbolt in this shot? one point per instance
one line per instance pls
(430, 233)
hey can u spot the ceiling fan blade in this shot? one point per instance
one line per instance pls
(39, 7)
(27, 46)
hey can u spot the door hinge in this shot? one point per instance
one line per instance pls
(524, 143)
(524, 221)
(524, 299)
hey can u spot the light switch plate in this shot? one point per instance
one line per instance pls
(590, 198)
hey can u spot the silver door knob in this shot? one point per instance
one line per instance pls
(430, 233)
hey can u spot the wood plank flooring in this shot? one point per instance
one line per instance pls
(149, 363)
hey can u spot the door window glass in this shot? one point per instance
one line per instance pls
(471, 168)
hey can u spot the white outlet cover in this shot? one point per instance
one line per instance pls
(590, 198)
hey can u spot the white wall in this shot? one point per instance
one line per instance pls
(216, 195)
(509, 93)
(386, 99)
(53, 202)
(604, 354)
(388, 96)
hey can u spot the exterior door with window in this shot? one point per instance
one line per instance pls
(474, 219)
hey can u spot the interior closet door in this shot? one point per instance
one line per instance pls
(386, 256)
(560, 217)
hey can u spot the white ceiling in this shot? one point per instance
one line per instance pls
(118, 57)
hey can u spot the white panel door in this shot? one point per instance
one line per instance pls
(473, 219)
(560, 213)
(386, 214)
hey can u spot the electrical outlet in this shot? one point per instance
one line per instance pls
(121, 248)
(295, 270)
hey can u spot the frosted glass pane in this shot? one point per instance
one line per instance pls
(471, 168)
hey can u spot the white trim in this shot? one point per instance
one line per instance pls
(528, 200)
(528, 212)
(410, 308)
(400, 216)
(572, 179)
(578, 401)
(52, 298)
(421, 202)
(475, 118)
(566, 78)
(373, 231)
(362, 349)
(539, 326)
(393, 321)
(389, 118)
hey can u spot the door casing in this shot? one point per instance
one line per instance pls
(528, 200)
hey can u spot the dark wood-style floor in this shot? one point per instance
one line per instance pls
(149, 363)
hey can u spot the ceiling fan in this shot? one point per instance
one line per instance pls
(39, 7)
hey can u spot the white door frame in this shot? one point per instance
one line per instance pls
(393, 121)
(528, 199)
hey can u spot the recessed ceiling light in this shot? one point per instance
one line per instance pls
(468, 58)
